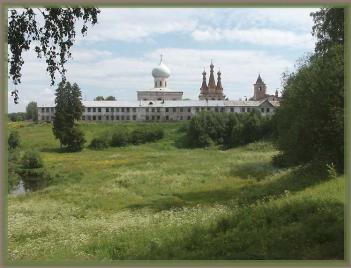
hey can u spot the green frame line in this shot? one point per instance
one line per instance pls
(347, 132)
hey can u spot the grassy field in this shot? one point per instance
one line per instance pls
(157, 201)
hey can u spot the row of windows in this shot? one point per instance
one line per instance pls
(117, 117)
(112, 109)
(158, 109)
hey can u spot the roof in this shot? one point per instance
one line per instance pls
(162, 89)
(169, 103)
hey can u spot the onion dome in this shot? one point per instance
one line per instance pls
(161, 71)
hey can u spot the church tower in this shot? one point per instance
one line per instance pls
(259, 89)
(211, 91)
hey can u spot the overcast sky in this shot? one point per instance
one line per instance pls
(118, 54)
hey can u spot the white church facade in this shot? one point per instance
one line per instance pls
(161, 103)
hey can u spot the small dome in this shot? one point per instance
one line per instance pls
(161, 71)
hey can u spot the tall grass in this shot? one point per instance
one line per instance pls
(157, 201)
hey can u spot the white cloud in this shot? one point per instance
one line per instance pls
(266, 37)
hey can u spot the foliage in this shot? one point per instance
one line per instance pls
(14, 140)
(229, 130)
(110, 98)
(52, 30)
(15, 117)
(328, 28)
(99, 143)
(32, 111)
(310, 120)
(120, 137)
(99, 98)
(69, 109)
(75, 139)
(32, 159)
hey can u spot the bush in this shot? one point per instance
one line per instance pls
(31, 160)
(98, 143)
(120, 137)
(75, 139)
(228, 130)
(14, 140)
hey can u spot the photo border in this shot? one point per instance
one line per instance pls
(187, 4)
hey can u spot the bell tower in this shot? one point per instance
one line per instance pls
(259, 89)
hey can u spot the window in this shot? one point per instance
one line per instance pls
(122, 110)
(112, 109)
(189, 110)
(112, 117)
(167, 110)
(147, 117)
(262, 110)
(147, 109)
(181, 118)
(99, 117)
(232, 110)
(153, 110)
(107, 110)
(122, 117)
(94, 110)
(203, 109)
(181, 109)
(94, 117)
(267, 110)
(134, 110)
(197, 109)
(216, 110)
(134, 117)
(89, 110)
(243, 110)
(155, 84)
(158, 117)
(42, 110)
(153, 117)
(189, 117)
(174, 110)
(117, 110)
(99, 110)
(47, 110)
(249, 109)
(107, 117)
(127, 110)
(89, 117)
(167, 117)
(222, 110)
(117, 117)
(52, 109)
(47, 118)
(158, 109)
(165, 83)
(127, 117)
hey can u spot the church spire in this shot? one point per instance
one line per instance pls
(211, 82)
(219, 81)
(204, 87)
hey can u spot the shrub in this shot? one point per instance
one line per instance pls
(75, 139)
(14, 140)
(120, 137)
(146, 134)
(228, 130)
(98, 143)
(31, 160)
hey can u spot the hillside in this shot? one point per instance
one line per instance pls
(158, 201)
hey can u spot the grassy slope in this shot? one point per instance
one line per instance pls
(156, 201)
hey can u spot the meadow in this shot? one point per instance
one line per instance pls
(157, 201)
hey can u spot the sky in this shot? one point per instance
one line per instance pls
(118, 54)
